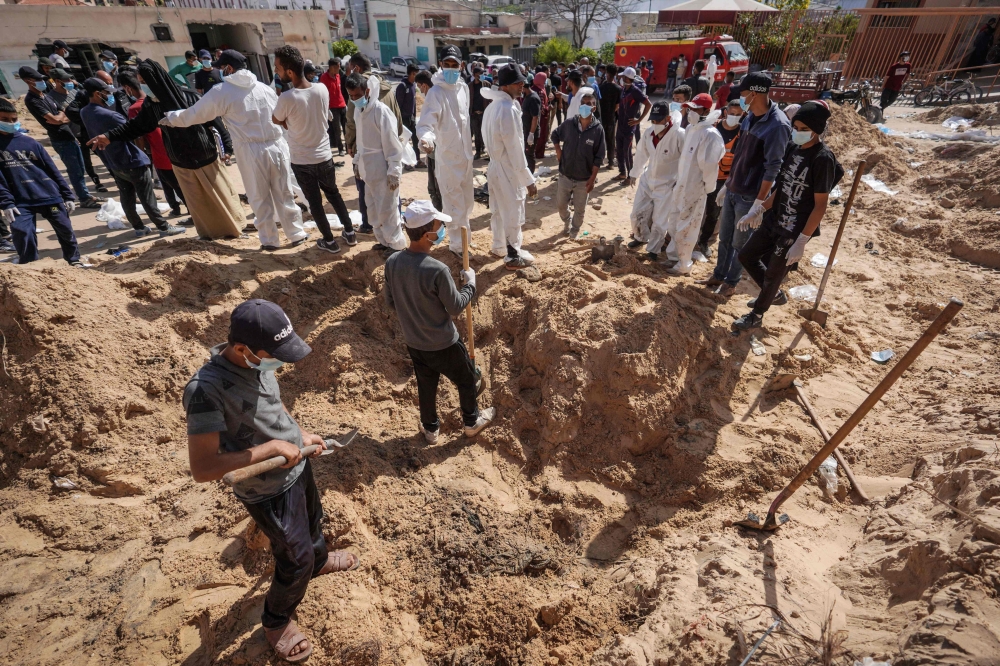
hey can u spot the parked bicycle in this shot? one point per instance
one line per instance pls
(949, 91)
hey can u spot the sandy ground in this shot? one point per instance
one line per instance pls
(592, 524)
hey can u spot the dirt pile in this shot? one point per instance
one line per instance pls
(852, 139)
(983, 114)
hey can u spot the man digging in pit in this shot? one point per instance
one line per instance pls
(236, 419)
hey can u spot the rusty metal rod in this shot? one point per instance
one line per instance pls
(895, 373)
(840, 232)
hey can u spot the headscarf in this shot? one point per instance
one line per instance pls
(540, 79)
(168, 94)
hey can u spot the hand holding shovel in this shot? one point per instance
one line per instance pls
(245, 473)
(471, 336)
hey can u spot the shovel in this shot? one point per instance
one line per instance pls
(273, 463)
(816, 314)
(771, 522)
(480, 384)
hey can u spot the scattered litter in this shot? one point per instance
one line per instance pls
(957, 123)
(118, 251)
(112, 214)
(162, 207)
(757, 346)
(877, 185)
(335, 221)
(62, 483)
(309, 224)
(871, 662)
(803, 358)
(547, 198)
(985, 335)
(882, 357)
(804, 292)
(355, 216)
(870, 246)
(968, 135)
(698, 256)
(820, 260)
(543, 171)
(585, 233)
(828, 477)
(39, 424)
(836, 192)
(915, 165)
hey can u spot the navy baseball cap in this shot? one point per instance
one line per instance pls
(230, 57)
(60, 44)
(758, 82)
(261, 324)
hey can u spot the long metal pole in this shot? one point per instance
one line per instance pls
(895, 373)
(826, 438)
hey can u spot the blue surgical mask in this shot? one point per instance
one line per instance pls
(109, 65)
(315, 79)
(207, 64)
(451, 75)
(69, 85)
(744, 104)
(110, 101)
(440, 235)
(591, 80)
(265, 365)
(149, 93)
(586, 110)
(675, 106)
(10, 128)
(361, 102)
(41, 86)
(801, 137)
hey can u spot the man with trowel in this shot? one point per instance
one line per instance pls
(421, 291)
(236, 419)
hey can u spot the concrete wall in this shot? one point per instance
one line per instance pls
(23, 26)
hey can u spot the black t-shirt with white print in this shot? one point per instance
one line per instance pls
(804, 172)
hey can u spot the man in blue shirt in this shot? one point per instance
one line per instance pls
(757, 157)
(629, 118)
(31, 185)
(128, 165)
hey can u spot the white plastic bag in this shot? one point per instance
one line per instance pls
(356, 218)
(828, 477)
(162, 207)
(112, 213)
(877, 185)
(820, 260)
(334, 221)
(804, 292)
(409, 157)
(957, 123)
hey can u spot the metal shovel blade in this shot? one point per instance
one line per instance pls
(819, 317)
(480, 382)
(344, 441)
(770, 524)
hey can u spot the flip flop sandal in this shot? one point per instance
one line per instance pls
(337, 561)
(92, 202)
(283, 640)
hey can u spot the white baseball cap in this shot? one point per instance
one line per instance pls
(629, 73)
(421, 212)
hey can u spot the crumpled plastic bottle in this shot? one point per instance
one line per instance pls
(828, 477)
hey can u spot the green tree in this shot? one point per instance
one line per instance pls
(607, 52)
(586, 52)
(343, 47)
(554, 48)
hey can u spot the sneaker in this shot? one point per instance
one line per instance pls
(388, 252)
(269, 248)
(328, 245)
(186, 222)
(378, 247)
(485, 416)
(366, 229)
(709, 282)
(100, 188)
(92, 202)
(176, 212)
(172, 230)
(350, 238)
(145, 231)
(6, 246)
(515, 263)
(572, 233)
(780, 299)
(652, 256)
(430, 435)
(77, 264)
(527, 256)
(633, 245)
(748, 321)
(299, 241)
(673, 270)
(340, 153)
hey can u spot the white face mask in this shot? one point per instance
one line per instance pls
(693, 117)
(658, 128)
(732, 121)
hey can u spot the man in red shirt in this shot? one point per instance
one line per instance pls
(331, 78)
(722, 93)
(154, 143)
(894, 80)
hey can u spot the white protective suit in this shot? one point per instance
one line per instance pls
(696, 179)
(508, 174)
(262, 154)
(444, 126)
(711, 69)
(655, 179)
(379, 155)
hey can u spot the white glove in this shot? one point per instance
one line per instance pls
(531, 139)
(468, 277)
(8, 214)
(795, 252)
(426, 146)
(753, 218)
(70, 206)
(357, 174)
(393, 182)
(721, 197)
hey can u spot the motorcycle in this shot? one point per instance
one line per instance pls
(860, 98)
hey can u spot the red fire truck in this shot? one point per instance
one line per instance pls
(662, 47)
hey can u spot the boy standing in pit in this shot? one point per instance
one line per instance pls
(420, 290)
(792, 213)
(236, 419)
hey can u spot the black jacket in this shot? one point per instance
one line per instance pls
(187, 147)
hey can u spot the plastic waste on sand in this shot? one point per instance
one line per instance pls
(871, 662)
(699, 257)
(112, 214)
(828, 477)
(883, 356)
(820, 260)
(335, 221)
(804, 292)
(543, 171)
(162, 207)
(757, 346)
(957, 123)
(877, 185)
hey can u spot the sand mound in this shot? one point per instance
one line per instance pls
(982, 113)
(852, 139)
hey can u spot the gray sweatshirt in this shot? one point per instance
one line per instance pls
(420, 289)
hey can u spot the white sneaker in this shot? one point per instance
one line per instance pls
(431, 437)
(485, 416)
(526, 256)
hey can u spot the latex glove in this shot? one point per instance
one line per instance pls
(753, 218)
(721, 197)
(797, 249)
(531, 139)
(9, 214)
(70, 205)
(393, 182)
(468, 277)
(357, 173)
(426, 146)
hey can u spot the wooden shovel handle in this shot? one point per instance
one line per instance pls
(245, 473)
(840, 232)
(468, 308)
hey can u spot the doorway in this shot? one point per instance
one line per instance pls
(387, 45)
(242, 37)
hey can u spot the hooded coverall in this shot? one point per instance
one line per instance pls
(655, 181)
